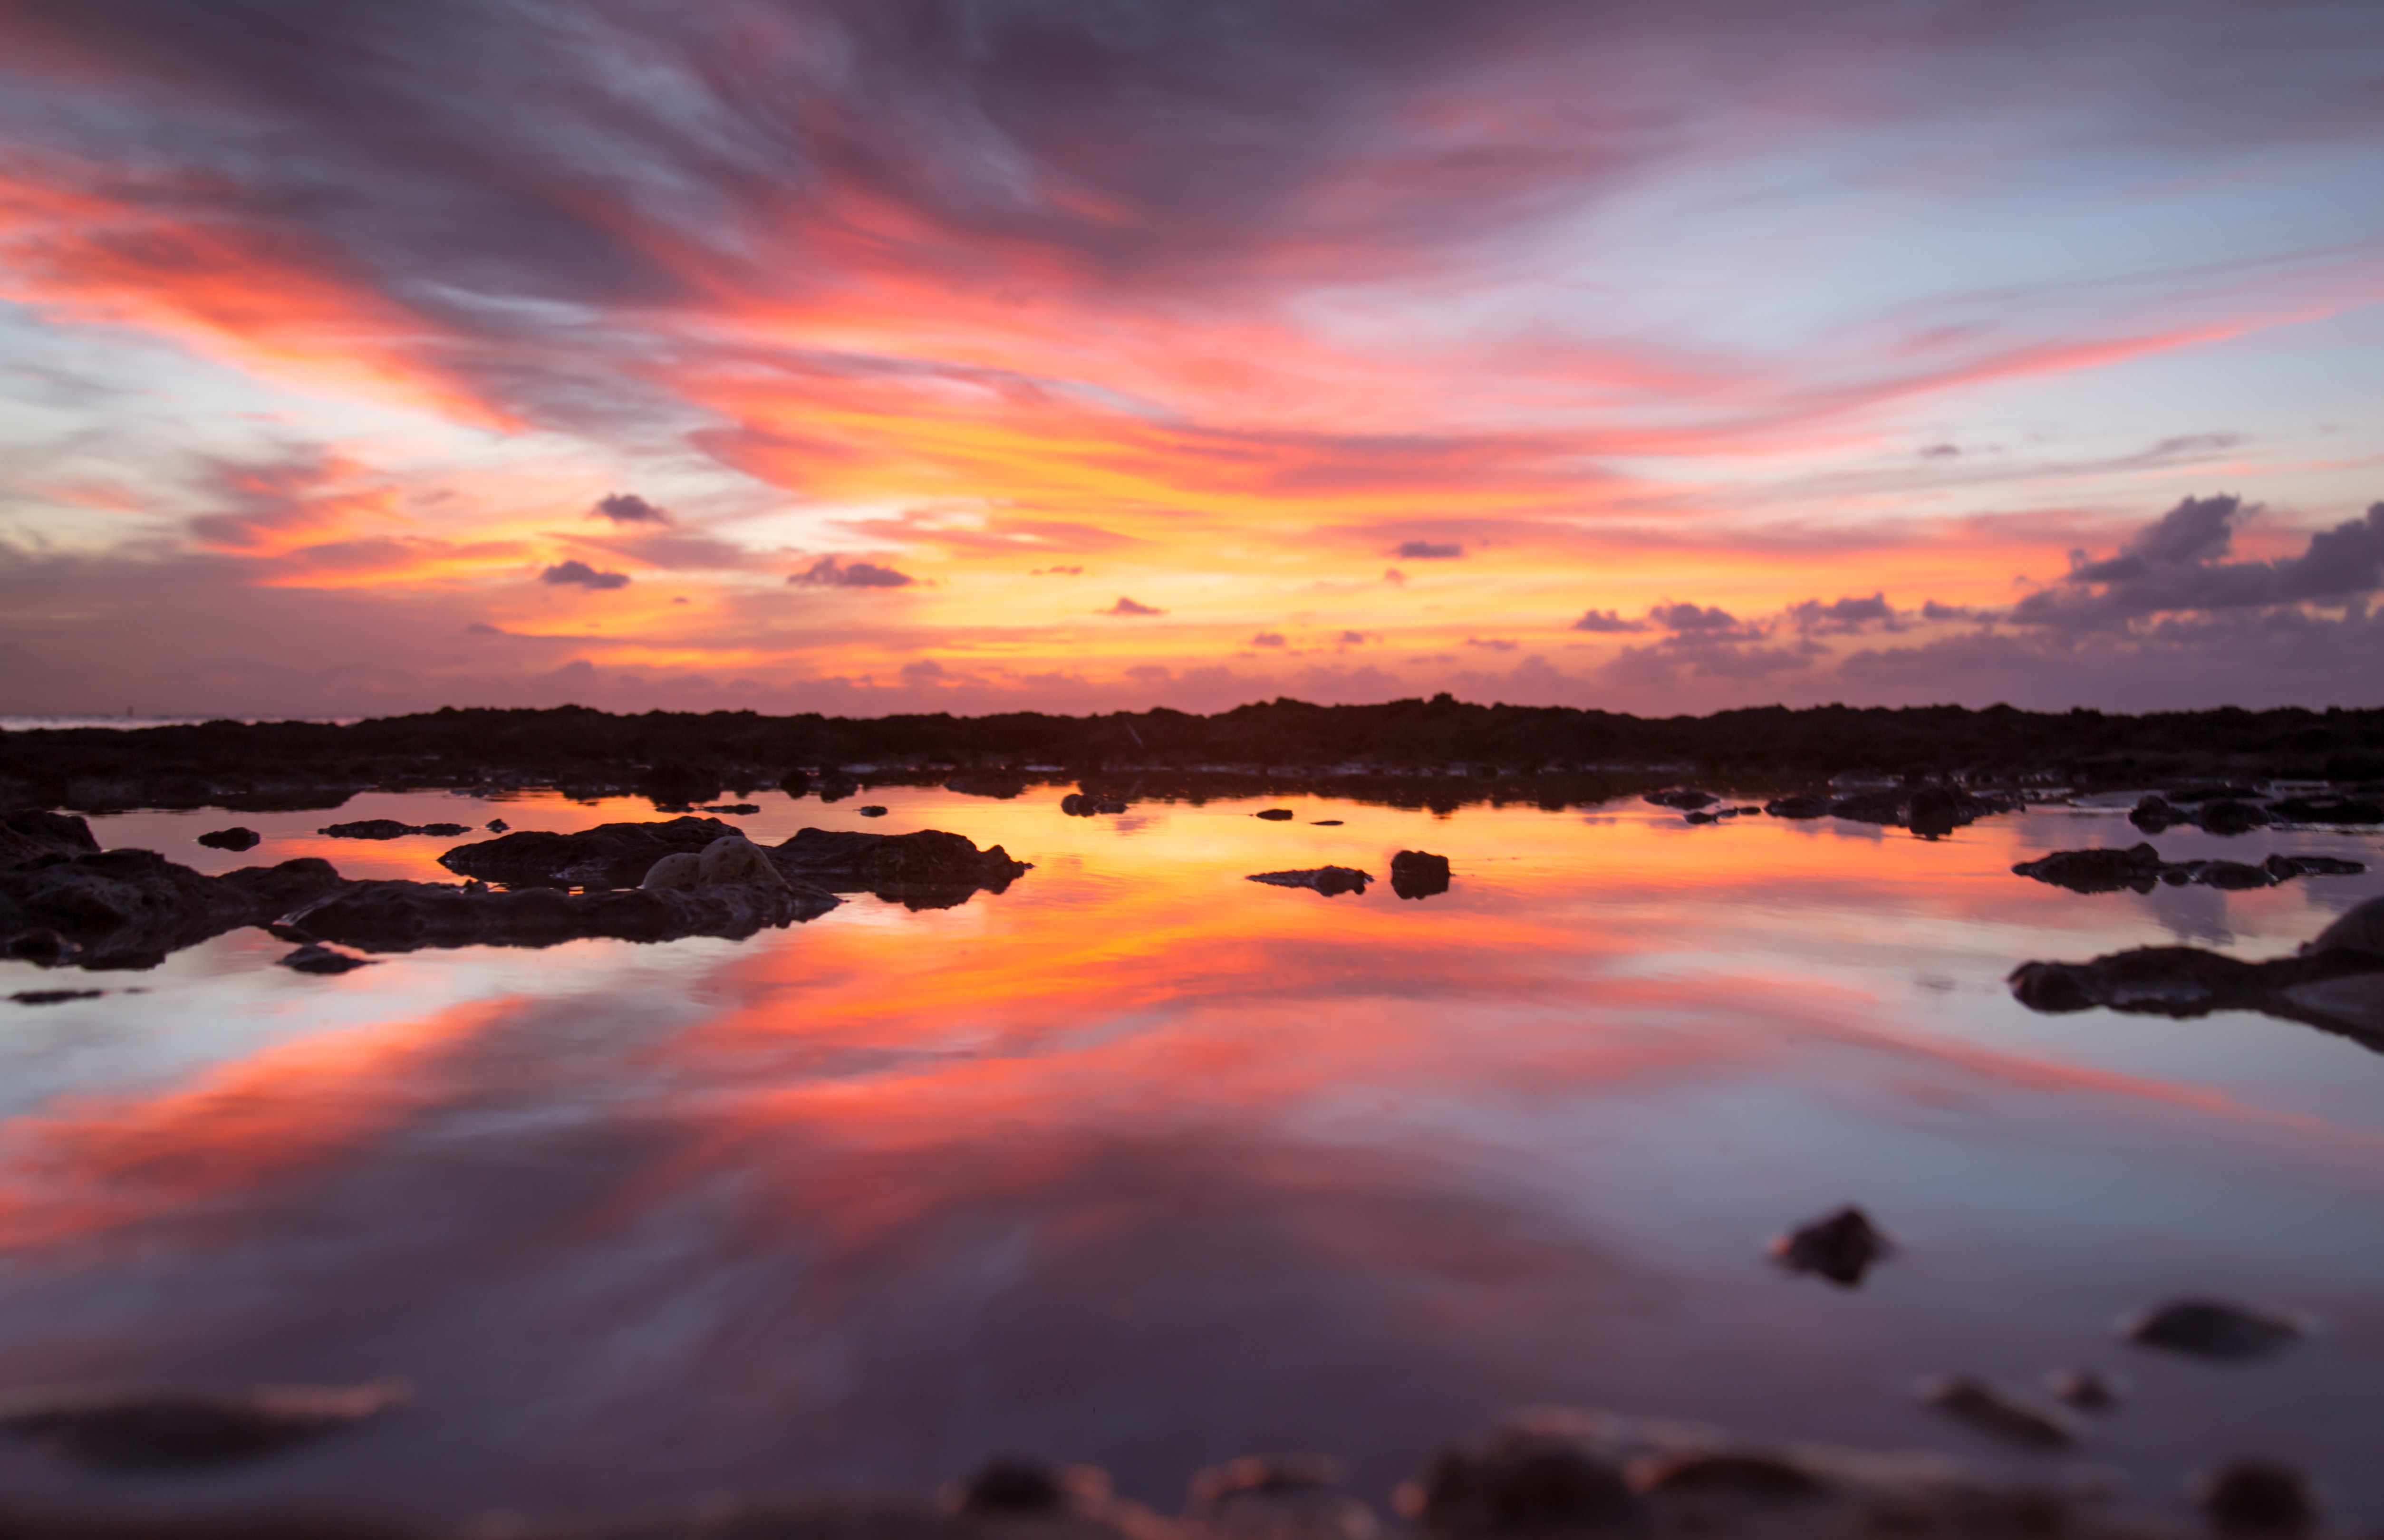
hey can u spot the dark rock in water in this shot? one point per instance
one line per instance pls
(30, 832)
(2282, 867)
(409, 916)
(1419, 873)
(1731, 1474)
(54, 996)
(1327, 880)
(1682, 800)
(2336, 988)
(1934, 812)
(497, 826)
(733, 810)
(2357, 930)
(233, 839)
(1001, 784)
(610, 855)
(2232, 876)
(1325, 822)
(1870, 807)
(925, 869)
(2213, 1329)
(1993, 1409)
(1841, 1247)
(1276, 815)
(874, 810)
(2099, 871)
(2232, 817)
(165, 1431)
(313, 959)
(2087, 1389)
(128, 909)
(2302, 809)
(1701, 818)
(369, 828)
(2153, 814)
(443, 831)
(1798, 807)
(673, 783)
(1075, 805)
(1278, 1497)
(2254, 1497)
(1526, 1480)
(796, 784)
(1009, 1487)
(835, 787)
(1109, 804)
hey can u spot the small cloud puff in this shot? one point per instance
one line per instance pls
(578, 574)
(1057, 572)
(1608, 622)
(1127, 606)
(1931, 609)
(828, 573)
(1847, 615)
(925, 669)
(1269, 638)
(1494, 644)
(1394, 576)
(1356, 638)
(1689, 617)
(1429, 550)
(629, 508)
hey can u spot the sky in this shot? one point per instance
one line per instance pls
(881, 356)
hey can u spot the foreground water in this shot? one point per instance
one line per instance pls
(1145, 1166)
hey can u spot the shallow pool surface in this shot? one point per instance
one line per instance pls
(1143, 1164)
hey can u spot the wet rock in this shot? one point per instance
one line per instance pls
(497, 826)
(1278, 1497)
(1801, 806)
(2232, 817)
(2097, 871)
(1325, 822)
(1701, 818)
(874, 810)
(1276, 815)
(1419, 873)
(796, 784)
(30, 832)
(1747, 1475)
(54, 996)
(2153, 814)
(1995, 1410)
(168, 1431)
(610, 855)
(835, 787)
(1934, 812)
(1327, 880)
(2213, 1329)
(1682, 799)
(1074, 805)
(925, 869)
(1840, 1247)
(129, 908)
(369, 828)
(2359, 930)
(410, 916)
(313, 959)
(738, 809)
(2255, 1497)
(1870, 807)
(1526, 1479)
(680, 869)
(2232, 876)
(2283, 867)
(2337, 989)
(1013, 1487)
(1002, 785)
(2087, 1389)
(733, 860)
(2302, 809)
(235, 839)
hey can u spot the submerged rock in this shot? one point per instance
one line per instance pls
(2331, 986)
(2097, 871)
(1998, 1411)
(389, 828)
(1419, 873)
(1276, 815)
(54, 996)
(874, 810)
(30, 832)
(1327, 880)
(1002, 785)
(410, 916)
(1841, 1247)
(129, 908)
(2213, 1329)
(2302, 810)
(161, 1431)
(1531, 1476)
(1685, 800)
(2256, 1497)
(316, 959)
(236, 838)
(1801, 806)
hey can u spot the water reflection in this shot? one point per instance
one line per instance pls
(1145, 1164)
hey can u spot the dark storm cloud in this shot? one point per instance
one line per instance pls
(629, 508)
(578, 574)
(1429, 551)
(1606, 623)
(829, 573)
(2180, 564)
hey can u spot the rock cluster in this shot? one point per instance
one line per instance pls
(1327, 880)
(389, 828)
(2140, 868)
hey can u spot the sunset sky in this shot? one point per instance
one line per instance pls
(875, 356)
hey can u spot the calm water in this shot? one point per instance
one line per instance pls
(1146, 1165)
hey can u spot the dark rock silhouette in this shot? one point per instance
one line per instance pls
(1002, 784)
(162, 1431)
(1840, 1247)
(233, 839)
(1870, 807)
(2153, 814)
(1683, 801)
(2304, 810)
(1995, 1410)
(2140, 867)
(2086, 1389)
(1527, 1479)
(316, 958)
(2232, 817)
(1799, 806)
(496, 826)
(610, 855)
(2256, 1497)
(30, 832)
(1276, 815)
(1758, 1474)
(410, 916)
(129, 908)
(1277, 1497)
(2360, 930)
(54, 996)
(2213, 1329)
(1009, 1487)
(1327, 880)
(389, 828)
(1419, 873)
(873, 810)
(925, 869)
(1934, 812)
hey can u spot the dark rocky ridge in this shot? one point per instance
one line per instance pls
(1474, 754)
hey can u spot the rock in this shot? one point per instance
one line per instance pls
(1325, 822)
(1419, 873)
(2300, 809)
(736, 810)
(1744, 1475)
(410, 916)
(2282, 867)
(2337, 989)
(874, 810)
(610, 855)
(1109, 804)
(2213, 1329)
(2087, 1389)
(1993, 1409)
(2358, 930)
(2153, 814)
(235, 839)
(1276, 815)
(1527, 1478)
(497, 826)
(1007, 1487)
(54, 996)
(369, 828)
(2255, 1497)
(1802, 806)
(2232, 817)
(1327, 880)
(1702, 817)
(999, 783)
(1934, 812)
(1841, 1247)
(1075, 805)
(734, 860)
(836, 786)
(1870, 807)
(2097, 871)
(313, 959)
(129, 908)
(2232, 876)
(926, 869)
(30, 832)
(160, 1430)
(796, 784)
(1278, 1497)
(1682, 799)
(680, 869)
